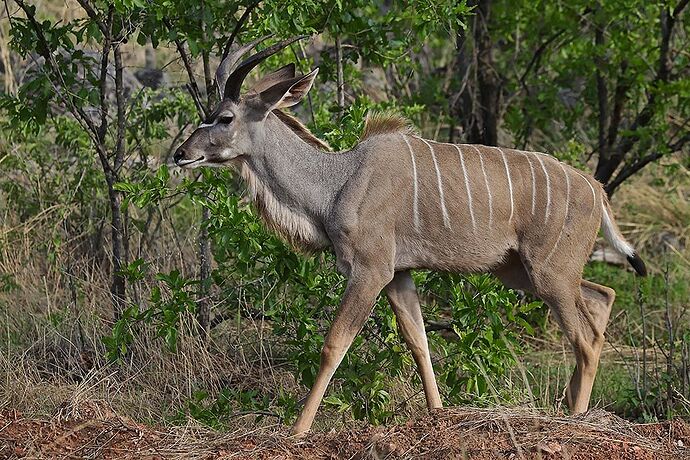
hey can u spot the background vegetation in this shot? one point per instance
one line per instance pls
(125, 280)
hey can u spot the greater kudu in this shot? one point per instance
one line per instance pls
(398, 202)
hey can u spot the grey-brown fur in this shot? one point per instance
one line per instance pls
(396, 202)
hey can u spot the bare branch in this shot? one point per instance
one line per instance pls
(602, 92)
(208, 75)
(679, 8)
(94, 17)
(192, 87)
(536, 57)
(120, 102)
(629, 170)
(680, 143)
(103, 79)
(237, 28)
(197, 101)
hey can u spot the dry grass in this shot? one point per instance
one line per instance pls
(153, 384)
(54, 321)
(95, 431)
(54, 318)
(655, 213)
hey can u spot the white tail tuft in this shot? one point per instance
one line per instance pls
(613, 235)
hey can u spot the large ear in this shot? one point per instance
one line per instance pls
(284, 73)
(289, 92)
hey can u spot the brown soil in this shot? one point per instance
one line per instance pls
(95, 432)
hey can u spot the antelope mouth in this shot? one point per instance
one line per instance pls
(183, 163)
(218, 161)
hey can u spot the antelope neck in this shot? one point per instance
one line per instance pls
(294, 181)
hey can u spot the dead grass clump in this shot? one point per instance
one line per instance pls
(468, 433)
(151, 382)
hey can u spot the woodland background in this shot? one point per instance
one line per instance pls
(125, 280)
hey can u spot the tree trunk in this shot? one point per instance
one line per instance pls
(119, 235)
(464, 107)
(477, 106)
(202, 304)
(118, 286)
(339, 72)
(488, 83)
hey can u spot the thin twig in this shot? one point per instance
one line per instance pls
(237, 28)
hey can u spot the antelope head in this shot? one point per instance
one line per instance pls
(236, 127)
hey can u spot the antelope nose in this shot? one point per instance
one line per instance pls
(179, 155)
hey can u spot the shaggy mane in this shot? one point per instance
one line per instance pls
(378, 123)
(292, 226)
(298, 128)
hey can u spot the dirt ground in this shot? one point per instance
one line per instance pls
(464, 433)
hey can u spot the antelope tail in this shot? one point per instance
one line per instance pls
(615, 238)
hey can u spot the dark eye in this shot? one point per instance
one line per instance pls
(225, 119)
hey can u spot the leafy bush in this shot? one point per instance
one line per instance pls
(487, 319)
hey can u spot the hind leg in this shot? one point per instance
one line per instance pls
(595, 305)
(596, 302)
(582, 310)
(402, 295)
(599, 301)
(567, 305)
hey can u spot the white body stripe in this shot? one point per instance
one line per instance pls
(567, 190)
(415, 187)
(444, 211)
(534, 182)
(510, 183)
(488, 190)
(548, 188)
(567, 209)
(594, 194)
(467, 186)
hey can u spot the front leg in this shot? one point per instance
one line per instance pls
(363, 286)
